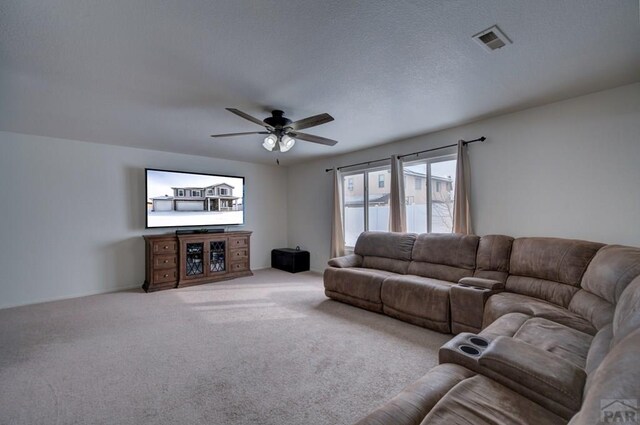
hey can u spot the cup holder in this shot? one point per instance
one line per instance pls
(479, 342)
(467, 349)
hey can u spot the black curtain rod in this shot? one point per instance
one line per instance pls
(466, 142)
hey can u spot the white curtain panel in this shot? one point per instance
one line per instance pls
(461, 205)
(397, 208)
(337, 231)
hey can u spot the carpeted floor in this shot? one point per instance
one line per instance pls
(269, 349)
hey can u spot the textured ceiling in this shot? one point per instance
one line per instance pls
(158, 74)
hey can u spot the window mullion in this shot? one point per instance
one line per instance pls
(429, 206)
(366, 200)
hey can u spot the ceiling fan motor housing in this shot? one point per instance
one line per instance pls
(277, 120)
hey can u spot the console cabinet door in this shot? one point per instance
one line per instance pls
(193, 260)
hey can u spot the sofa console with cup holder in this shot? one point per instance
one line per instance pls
(547, 328)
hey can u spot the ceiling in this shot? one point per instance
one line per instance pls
(158, 74)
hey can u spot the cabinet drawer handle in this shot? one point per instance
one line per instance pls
(166, 261)
(166, 247)
(166, 275)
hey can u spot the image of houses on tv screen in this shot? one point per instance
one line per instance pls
(180, 199)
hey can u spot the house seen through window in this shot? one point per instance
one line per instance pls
(428, 185)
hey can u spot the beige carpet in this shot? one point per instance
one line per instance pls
(269, 349)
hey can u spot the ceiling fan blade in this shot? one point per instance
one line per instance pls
(239, 134)
(312, 138)
(247, 117)
(311, 121)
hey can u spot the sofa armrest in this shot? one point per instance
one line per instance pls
(482, 283)
(467, 305)
(550, 376)
(352, 260)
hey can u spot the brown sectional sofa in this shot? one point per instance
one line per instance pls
(548, 329)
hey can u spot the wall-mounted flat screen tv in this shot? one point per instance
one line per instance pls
(181, 199)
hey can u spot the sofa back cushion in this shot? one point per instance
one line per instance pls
(608, 274)
(444, 256)
(626, 318)
(609, 365)
(385, 250)
(613, 385)
(492, 259)
(611, 270)
(549, 269)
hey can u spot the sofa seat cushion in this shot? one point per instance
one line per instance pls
(561, 340)
(419, 300)
(481, 401)
(356, 282)
(415, 401)
(507, 302)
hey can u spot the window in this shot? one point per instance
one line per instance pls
(224, 191)
(353, 209)
(195, 193)
(180, 192)
(209, 191)
(365, 203)
(432, 207)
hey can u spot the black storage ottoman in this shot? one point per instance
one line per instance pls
(290, 260)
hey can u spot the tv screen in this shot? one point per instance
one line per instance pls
(181, 199)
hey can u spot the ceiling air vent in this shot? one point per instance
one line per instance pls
(491, 39)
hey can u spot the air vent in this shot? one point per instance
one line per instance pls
(491, 39)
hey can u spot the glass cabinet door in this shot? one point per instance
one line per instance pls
(195, 259)
(217, 256)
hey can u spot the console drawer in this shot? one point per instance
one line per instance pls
(160, 276)
(239, 266)
(238, 242)
(165, 261)
(165, 247)
(238, 254)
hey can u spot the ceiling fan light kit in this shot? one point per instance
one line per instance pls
(282, 132)
(270, 142)
(286, 143)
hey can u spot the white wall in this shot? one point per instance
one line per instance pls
(568, 169)
(72, 214)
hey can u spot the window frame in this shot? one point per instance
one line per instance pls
(428, 161)
(365, 198)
